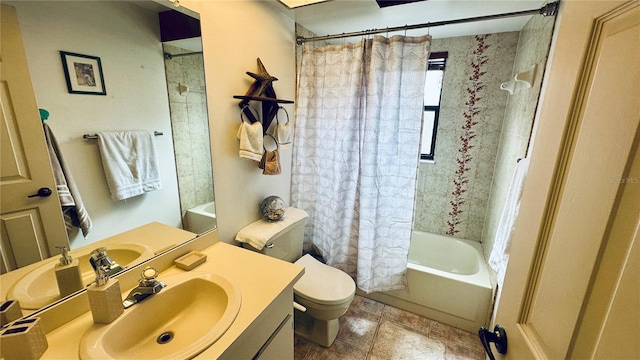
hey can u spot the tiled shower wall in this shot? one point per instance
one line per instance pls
(533, 49)
(453, 191)
(190, 127)
(482, 130)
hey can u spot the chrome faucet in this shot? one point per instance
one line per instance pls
(147, 286)
(100, 259)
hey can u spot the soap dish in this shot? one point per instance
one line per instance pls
(190, 260)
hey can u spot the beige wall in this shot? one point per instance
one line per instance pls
(234, 35)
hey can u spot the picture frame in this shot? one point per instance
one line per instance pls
(83, 73)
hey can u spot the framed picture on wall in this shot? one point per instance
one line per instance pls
(83, 74)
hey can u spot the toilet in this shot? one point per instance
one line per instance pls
(323, 294)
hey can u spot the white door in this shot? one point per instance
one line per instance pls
(571, 288)
(31, 227)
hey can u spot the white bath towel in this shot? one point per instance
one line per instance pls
(251, 143)
(258, 233)
(499, 256)
(130, 163)
(73, 210)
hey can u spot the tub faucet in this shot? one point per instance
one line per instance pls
(100, 259)
(147, 286)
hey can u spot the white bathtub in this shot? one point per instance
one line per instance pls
(448, 281)
(201, 218)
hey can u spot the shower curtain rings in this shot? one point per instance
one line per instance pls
(285, 111)
(251, 108)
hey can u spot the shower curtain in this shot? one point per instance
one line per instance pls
(356, 150)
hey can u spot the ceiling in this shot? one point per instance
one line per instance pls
(343, 16)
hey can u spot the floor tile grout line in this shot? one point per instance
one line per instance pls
(454, 343)
(375, 333)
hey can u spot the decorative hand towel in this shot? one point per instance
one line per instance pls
(250, 136)
(258, 233)
(73, 210)
(270, 163)
(130, 163)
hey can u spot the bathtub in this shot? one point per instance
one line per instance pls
(201, 218)
(448, 281)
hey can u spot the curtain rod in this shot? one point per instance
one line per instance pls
(549, 9)
(171, 56)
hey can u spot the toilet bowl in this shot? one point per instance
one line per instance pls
(324, 291)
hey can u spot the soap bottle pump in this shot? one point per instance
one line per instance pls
(105, 298)
(68, 274)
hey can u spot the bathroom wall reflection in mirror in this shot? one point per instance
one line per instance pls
(144, 94)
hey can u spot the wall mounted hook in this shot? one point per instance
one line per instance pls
(508, 86)
(527, 77)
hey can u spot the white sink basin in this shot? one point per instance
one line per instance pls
(39, 287)
(185, 318)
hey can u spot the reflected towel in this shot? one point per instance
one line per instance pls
(258, 233)
(73, 210)
(250, 136)
(130, 163)
(500, 253)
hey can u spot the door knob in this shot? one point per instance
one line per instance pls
(42, 192)
(498, 337)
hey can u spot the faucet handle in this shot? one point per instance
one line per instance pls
(148, 276)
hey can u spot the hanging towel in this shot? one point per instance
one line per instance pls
(130, 163)
(73, 210)
(283, 134)
(270, 163)
(250, 136)
(281, 130)
(499, 256)
(258, 233)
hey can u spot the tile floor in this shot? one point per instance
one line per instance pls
(374, 331)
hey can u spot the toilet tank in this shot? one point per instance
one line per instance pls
(288, 235)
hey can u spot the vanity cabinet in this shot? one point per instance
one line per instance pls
(270, 335)
(262, 329)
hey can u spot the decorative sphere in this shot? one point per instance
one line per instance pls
(272, 208)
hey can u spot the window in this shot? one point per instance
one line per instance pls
(432, 96)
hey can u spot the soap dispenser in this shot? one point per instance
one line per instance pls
(105, 298)
(68, 274)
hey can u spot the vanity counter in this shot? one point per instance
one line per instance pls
(155, 236)
(266, 286)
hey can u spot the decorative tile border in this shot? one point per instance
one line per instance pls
(464, 158)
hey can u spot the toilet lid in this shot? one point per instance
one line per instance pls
(322, 283)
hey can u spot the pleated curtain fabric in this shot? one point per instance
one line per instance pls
(356, 150)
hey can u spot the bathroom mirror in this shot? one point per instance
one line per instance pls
(145, 90)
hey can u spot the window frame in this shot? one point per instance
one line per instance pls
(437, 61)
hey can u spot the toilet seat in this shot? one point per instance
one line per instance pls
(323, 284)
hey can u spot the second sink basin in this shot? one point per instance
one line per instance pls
(39, 287)
(184, 319)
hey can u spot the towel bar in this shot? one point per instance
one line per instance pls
(95, 136)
